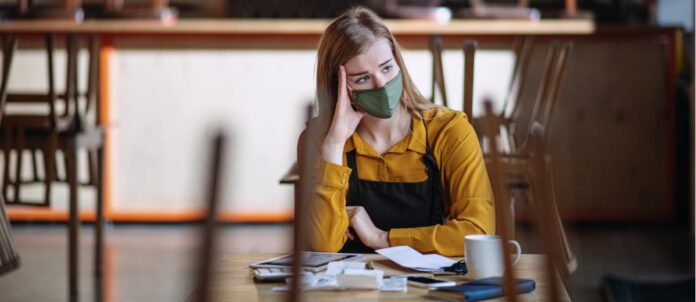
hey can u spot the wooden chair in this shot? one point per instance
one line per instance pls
(438, 82)
(75, 114)
(541, 112)
(510, 107)
(528, 170)
(503, 215)
(544, 204)
(560, 258)
(67, 132)
(307, 160)
(9, 258)
(469, 57)
(206, 257)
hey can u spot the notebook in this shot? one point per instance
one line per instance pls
(481, 289)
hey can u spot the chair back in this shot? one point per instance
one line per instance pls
(503, 213)
(547, 96)
(469, 57)
(438, 82)
(560, 258)
(523, 53)
(210, 228)
(66, 102)
(545, 208)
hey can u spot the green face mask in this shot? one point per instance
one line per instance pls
(380, 102)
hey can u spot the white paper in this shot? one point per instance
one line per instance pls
(360, 279)
(348, 276)
(337, 267)
(408, 257)
(329, 283)
(394, 284)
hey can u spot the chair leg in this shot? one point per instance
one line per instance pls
(99, 229)
(34, 165)
(49, 163)
(74, 223)
(65, 163)
(92, 167)
(6, 173)
(18, 171)
(56, 175)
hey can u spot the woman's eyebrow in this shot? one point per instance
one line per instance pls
(364, 72)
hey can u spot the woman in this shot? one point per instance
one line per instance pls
(394, 169)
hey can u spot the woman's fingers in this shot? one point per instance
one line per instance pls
(341, 78)
(342, 90)
(350, 235)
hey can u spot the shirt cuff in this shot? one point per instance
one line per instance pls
(399, 237)
(333, 175)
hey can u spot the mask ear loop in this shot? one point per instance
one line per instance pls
(410, 130)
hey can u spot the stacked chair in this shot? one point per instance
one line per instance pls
(70, 124)
(560, 259)
(527, 170)
(438, 79)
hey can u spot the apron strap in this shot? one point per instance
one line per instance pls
(352, 189)
(438, 211)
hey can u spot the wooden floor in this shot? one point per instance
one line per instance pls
(155, 262)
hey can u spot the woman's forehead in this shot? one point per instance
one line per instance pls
(377, 53)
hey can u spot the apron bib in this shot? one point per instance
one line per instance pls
(395, 204)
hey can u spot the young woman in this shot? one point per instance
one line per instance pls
(394, 169)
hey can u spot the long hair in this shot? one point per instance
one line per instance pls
(348, 36)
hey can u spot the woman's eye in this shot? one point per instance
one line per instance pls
(387, 68)
(361, 80)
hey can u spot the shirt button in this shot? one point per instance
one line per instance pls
(343, 180)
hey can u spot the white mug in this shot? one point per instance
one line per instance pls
(484, 255)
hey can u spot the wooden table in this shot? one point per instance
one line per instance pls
(233, 282)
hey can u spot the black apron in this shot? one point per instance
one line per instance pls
(395, 204)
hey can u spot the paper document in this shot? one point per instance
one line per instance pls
(408, 257)
(348, 276)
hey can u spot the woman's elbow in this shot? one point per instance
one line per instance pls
(325, 245)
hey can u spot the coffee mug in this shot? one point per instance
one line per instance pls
(484, 255)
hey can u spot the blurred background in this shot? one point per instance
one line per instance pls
(621, 136)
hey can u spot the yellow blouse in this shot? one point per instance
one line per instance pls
(466, 189)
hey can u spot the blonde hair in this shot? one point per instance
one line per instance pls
(348, 36)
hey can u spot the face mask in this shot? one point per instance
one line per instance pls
(380, 102)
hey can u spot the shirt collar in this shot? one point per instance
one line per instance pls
(415, 141)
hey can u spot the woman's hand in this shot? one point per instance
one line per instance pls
(345, 120)
(368, 233)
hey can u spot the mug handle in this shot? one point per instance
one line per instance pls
(518, 251)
